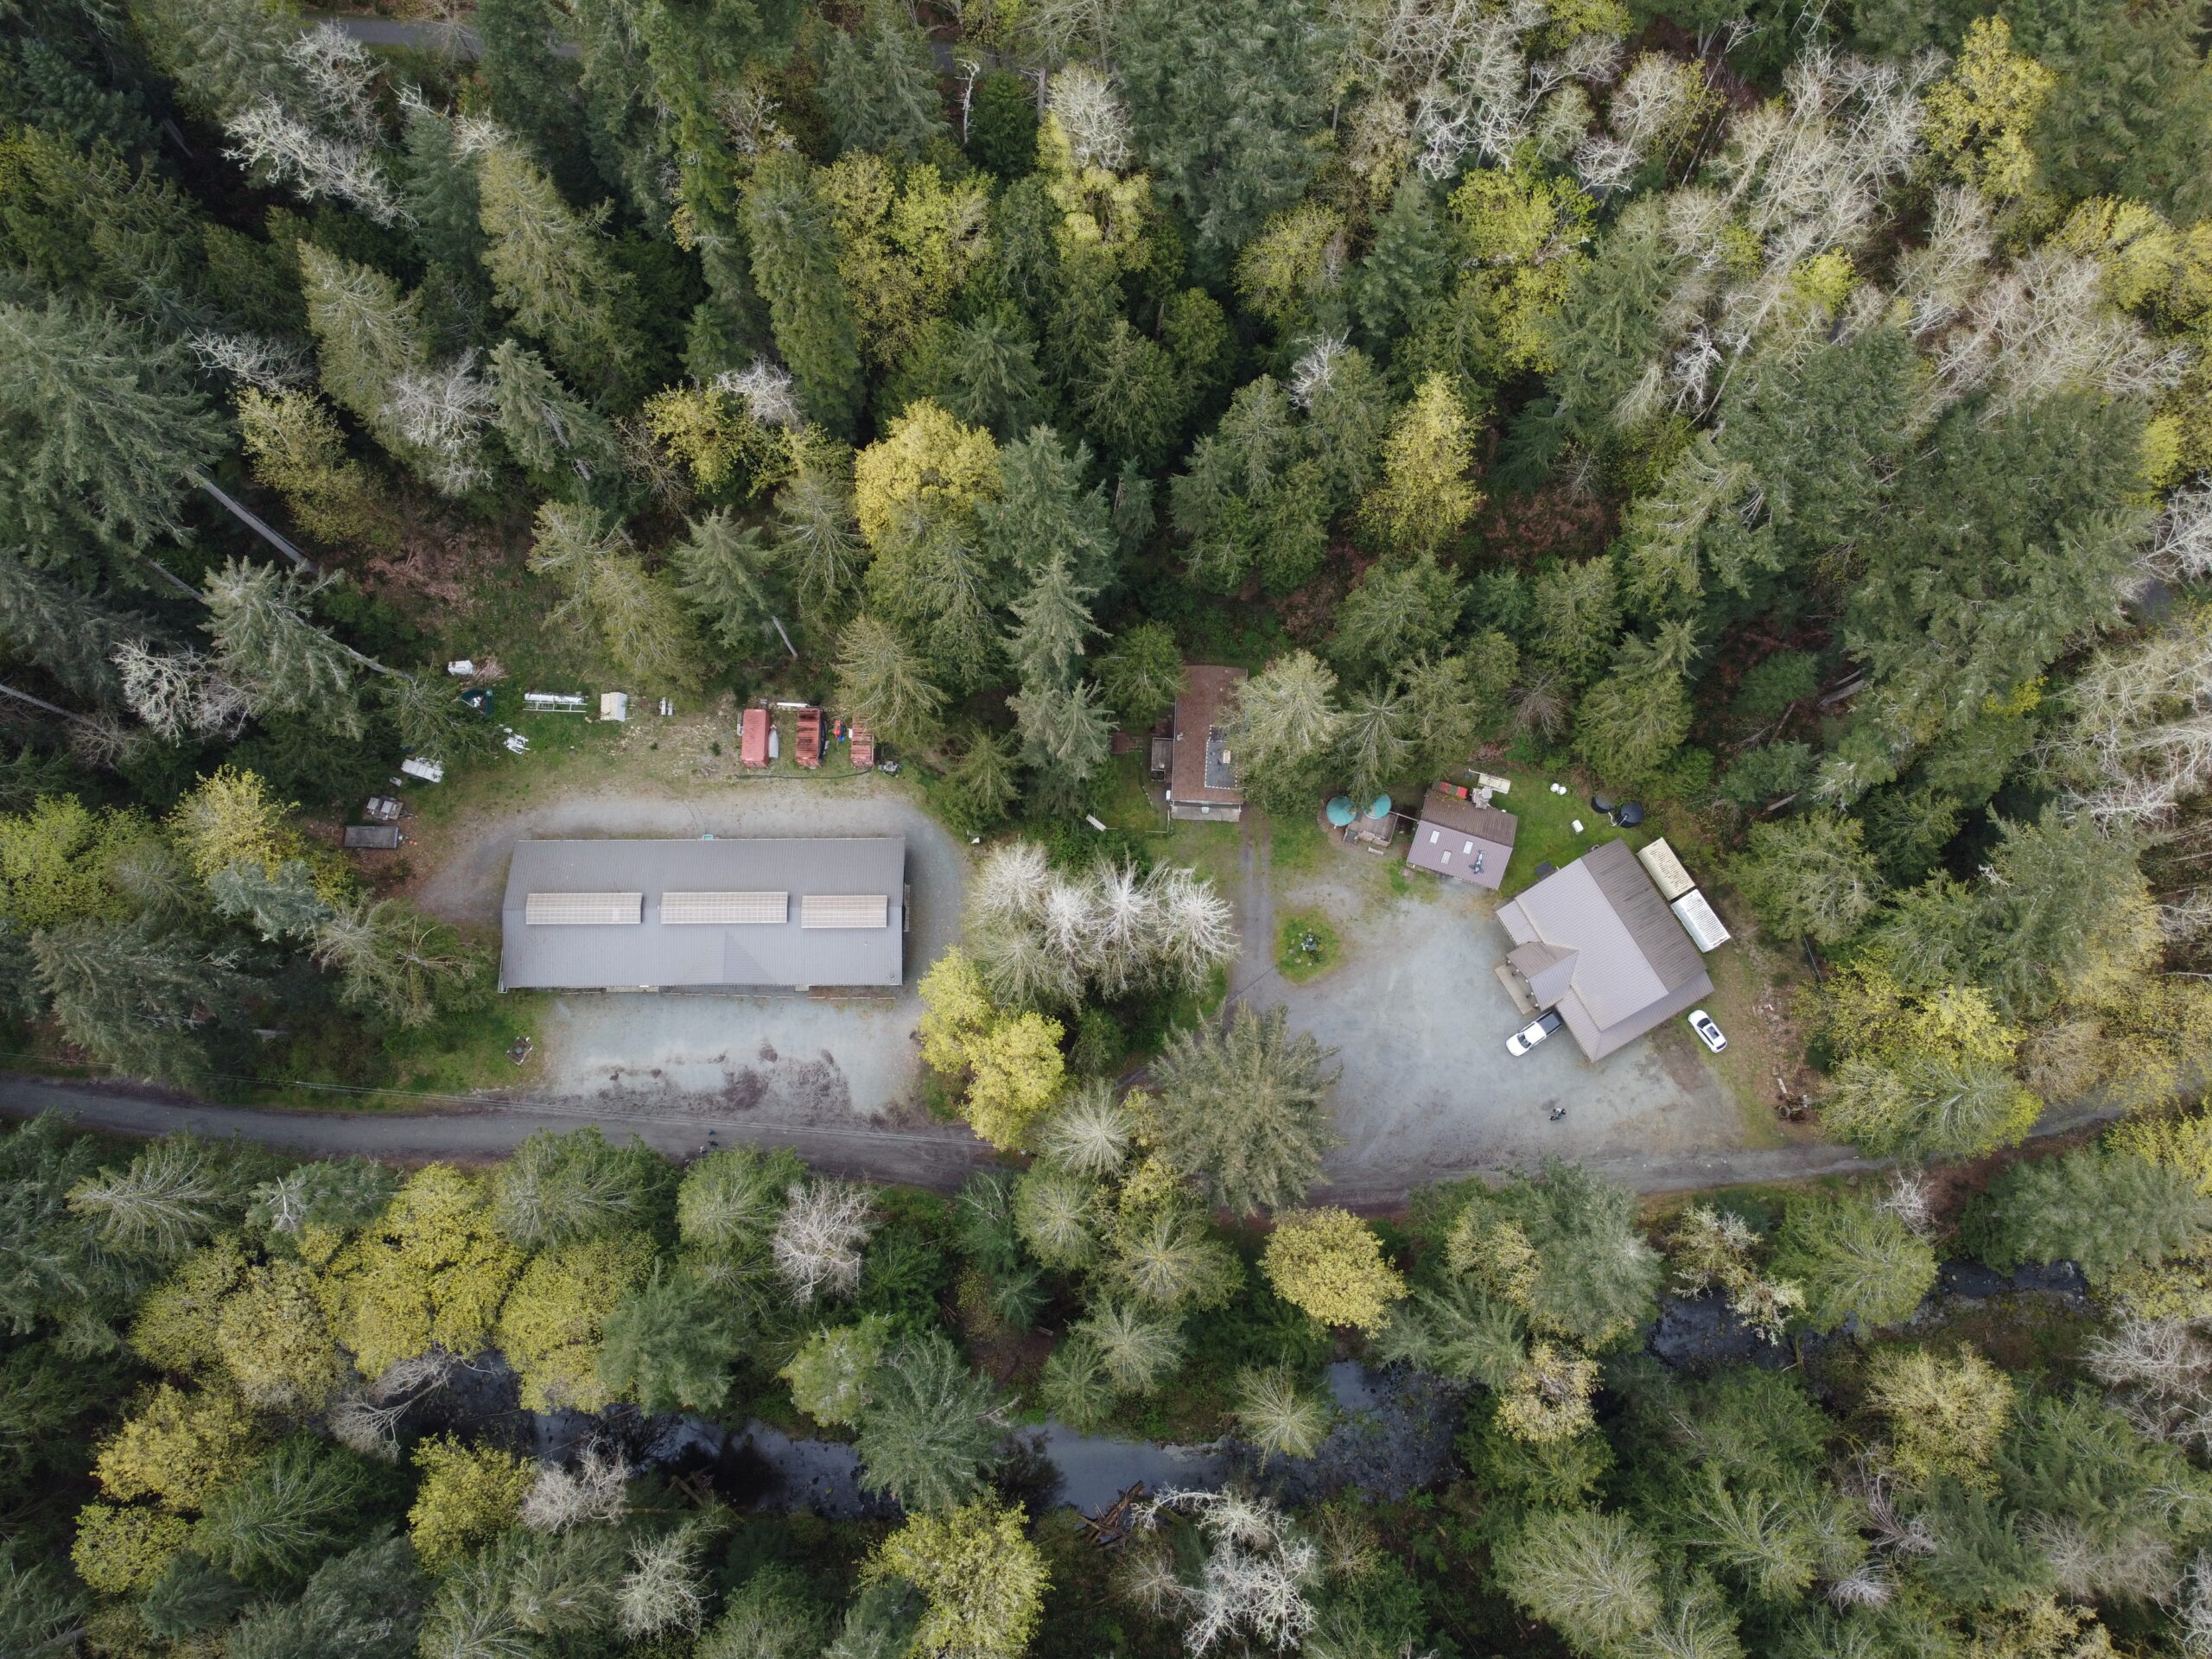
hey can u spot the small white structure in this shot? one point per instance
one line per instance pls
(615, 705)
(461, 667)
(1700, 921)
(1665, 870)
(553, 702)
(428, 771)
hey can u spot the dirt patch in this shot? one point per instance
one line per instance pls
(1560, 520)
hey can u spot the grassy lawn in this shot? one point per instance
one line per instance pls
(1295, 959)
(1545, 832)
(1124, 801)
(1297, 846)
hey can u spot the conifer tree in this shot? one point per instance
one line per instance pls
(880, 83)
(1131, 398)
(1285, 730)
(1425, 498)
(393, 960)
(369, 336)
(979, 786)
(986, 373)
(550, 431)
(641, 622)
(1053, 621)
(1374, 747)
(720, 570)
(549, 268)
(102, 428)
(134, 997)
(881, 684)
(1043, 511)
(1142, 676)
(266, 646)
(1632, 720)
(1245, 1111)
(1407, 269)
(223, 54)
(1065, 737)
(296, 450)
(438, 186)
(1453, 703)
(794, 246)
(64, 630)
(1400, 608)
(1347, 417)
(818, 532)
(1223, 98)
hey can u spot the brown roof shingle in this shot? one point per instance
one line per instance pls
(1207, 690)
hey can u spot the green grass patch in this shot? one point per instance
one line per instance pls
(1212, 849)
(1305, 945)
(1124, 796)
(1298, 845)
(1545, 832)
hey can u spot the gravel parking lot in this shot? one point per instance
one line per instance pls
(787, 1060)
(1428, 1090)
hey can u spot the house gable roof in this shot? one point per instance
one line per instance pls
(1630, 964)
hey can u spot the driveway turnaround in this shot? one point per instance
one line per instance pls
(1428, 1093)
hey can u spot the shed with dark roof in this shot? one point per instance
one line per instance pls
(1596, 941)
(1202, 778)
(1462, 839)
(704, 915)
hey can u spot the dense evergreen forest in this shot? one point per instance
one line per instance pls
(271, 1410)
(1797, 417)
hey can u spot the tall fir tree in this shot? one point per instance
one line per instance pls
(794, 247)
(1044, 511)
(554, 434)
(100, 429)
(551, 269)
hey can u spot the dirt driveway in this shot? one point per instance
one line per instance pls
(789, 1061)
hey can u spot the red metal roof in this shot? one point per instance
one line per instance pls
(754, 750)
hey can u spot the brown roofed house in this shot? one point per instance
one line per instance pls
(1597, 942)
(1201, 783)
(1462, 839)
(752, 748)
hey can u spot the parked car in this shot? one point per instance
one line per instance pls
(1709, 1033)
(1534, 1032)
